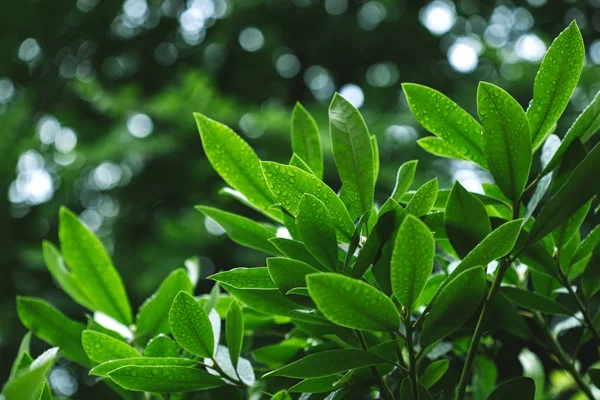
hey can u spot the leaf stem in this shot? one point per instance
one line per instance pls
(384, 387)
(412, 371)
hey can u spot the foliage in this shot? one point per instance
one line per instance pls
(368, 298)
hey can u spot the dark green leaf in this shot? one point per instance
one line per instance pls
(317, 230)
(101, 348)
(564, 233)
(534, 301)
(297, 251)
(162, 346)
(423, 200)
(306, 141)
(522, 388)
(404, 178)
(234, 331)
(246, 278)
(191, 327)
(406, 392)
(317, 385)
(109, 366)
(594, 374)
(573, 157)
(288, 274)
(277, 355)
(590, 281)
(584, 252)
(164, 379)
(434, 373)
(506, 139)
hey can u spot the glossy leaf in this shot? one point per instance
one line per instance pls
(349, 302)
(29, 384)
(440, 148)
(246, 278)
(281, 395)
(243, 230)
(296, 161)
(297, 251)
(466, 221)
(423, 200)
(288, 274)
(163, 379)
(317, 385)
(234, 331)
(412, 260)
(100, 347)
(317, 230)
(353, 154)
(534, 301)
(404, 178)
(433, 373)
(109, 366)
(522, 388)
(555, 82)
(190, 326)
(306, 141)
(445, 119)
(506, 139)
(162, 346)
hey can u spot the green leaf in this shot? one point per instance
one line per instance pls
(445, 119)
(590, 281)
(555, 82)
(351, 145)
(297, 251)
(246, 278)
(564, 233)
(406, 392)
(109, 366)
(317, 385)
(466, 221)
(594, 374)
(521, 388)
(578, 190)
(434, 373)
(296, 161)
(162, 346)
(289, 184)
(349, 302)
(457, 301)
(244, 370)
(423, 200)
(412, 260)
(100, 347)
(306, 141)
(584, 252)
(92, 268)
(191, 327)
(164, 379)
(573, 157)
(317, 230)
(534, 301)
(236, 162)
(583, 128)
(506, 139)
(281, 395)
(277, 355)
(329, 362)
(243, 230)
(234, 331)
(22, 355)
(404, 178)
(53, 327)
(440, 148)
(152, 317)
(288, 274)
(29, 385)
(376, 161)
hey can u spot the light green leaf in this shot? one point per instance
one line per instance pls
(246, 278)
(317, 230)
(152, 317)
(281, 395)
(191, 327)
(404, 178)
(164, 379)
(555, 82)
(53, 327)
(289, 184)
(306, 141)
(522, 388)
(433, 373)
(243, 230)
(162, 346)
(440, 148)
(353, 154)
(288, 274)
(456, 302)
(423, 200)
(329, 362)
(100, 347)
(412, 260)
(506, 139)
(22, 358)
(578, 190)
(466, 221)
(376, 161)
(297, 251)
(236, 162)
(234, 331)
(534, 301)
(296, 161)
(29, 384)
(445, 119)
(349, 302)
(109, 366)
(92, 268)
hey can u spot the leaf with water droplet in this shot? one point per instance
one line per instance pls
(317, 230)
(164, 379)
(190, 326)
(306, 141)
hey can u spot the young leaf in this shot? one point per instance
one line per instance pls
(349, 302)
(190, 326)
(30, 384)
(522, 388)
(327, 363)
(412, 260)
(281, 395)
(445, 119)
(296, 161)
(423, 200)
(234, 331)
(555, 82)
(317, 230)
(578, 190)
(162, 346)
(506, 139)
(457, 301)
(433, 373)
(109, 366)
(351, 145)
(236, 162)
(466, 221)
(22, 358)
(246, 278)
(289, 184)
(534, 301)
(288, 274)
(404, 178)
(243, 230)
(91, 266)
(53, 327)
(306, 141)
(297, 251)
(152, 317)
(440, 148)
(101, 348)
(164, 379)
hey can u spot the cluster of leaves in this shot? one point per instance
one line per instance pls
(369, 299)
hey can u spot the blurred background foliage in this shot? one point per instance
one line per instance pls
(96, 102)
